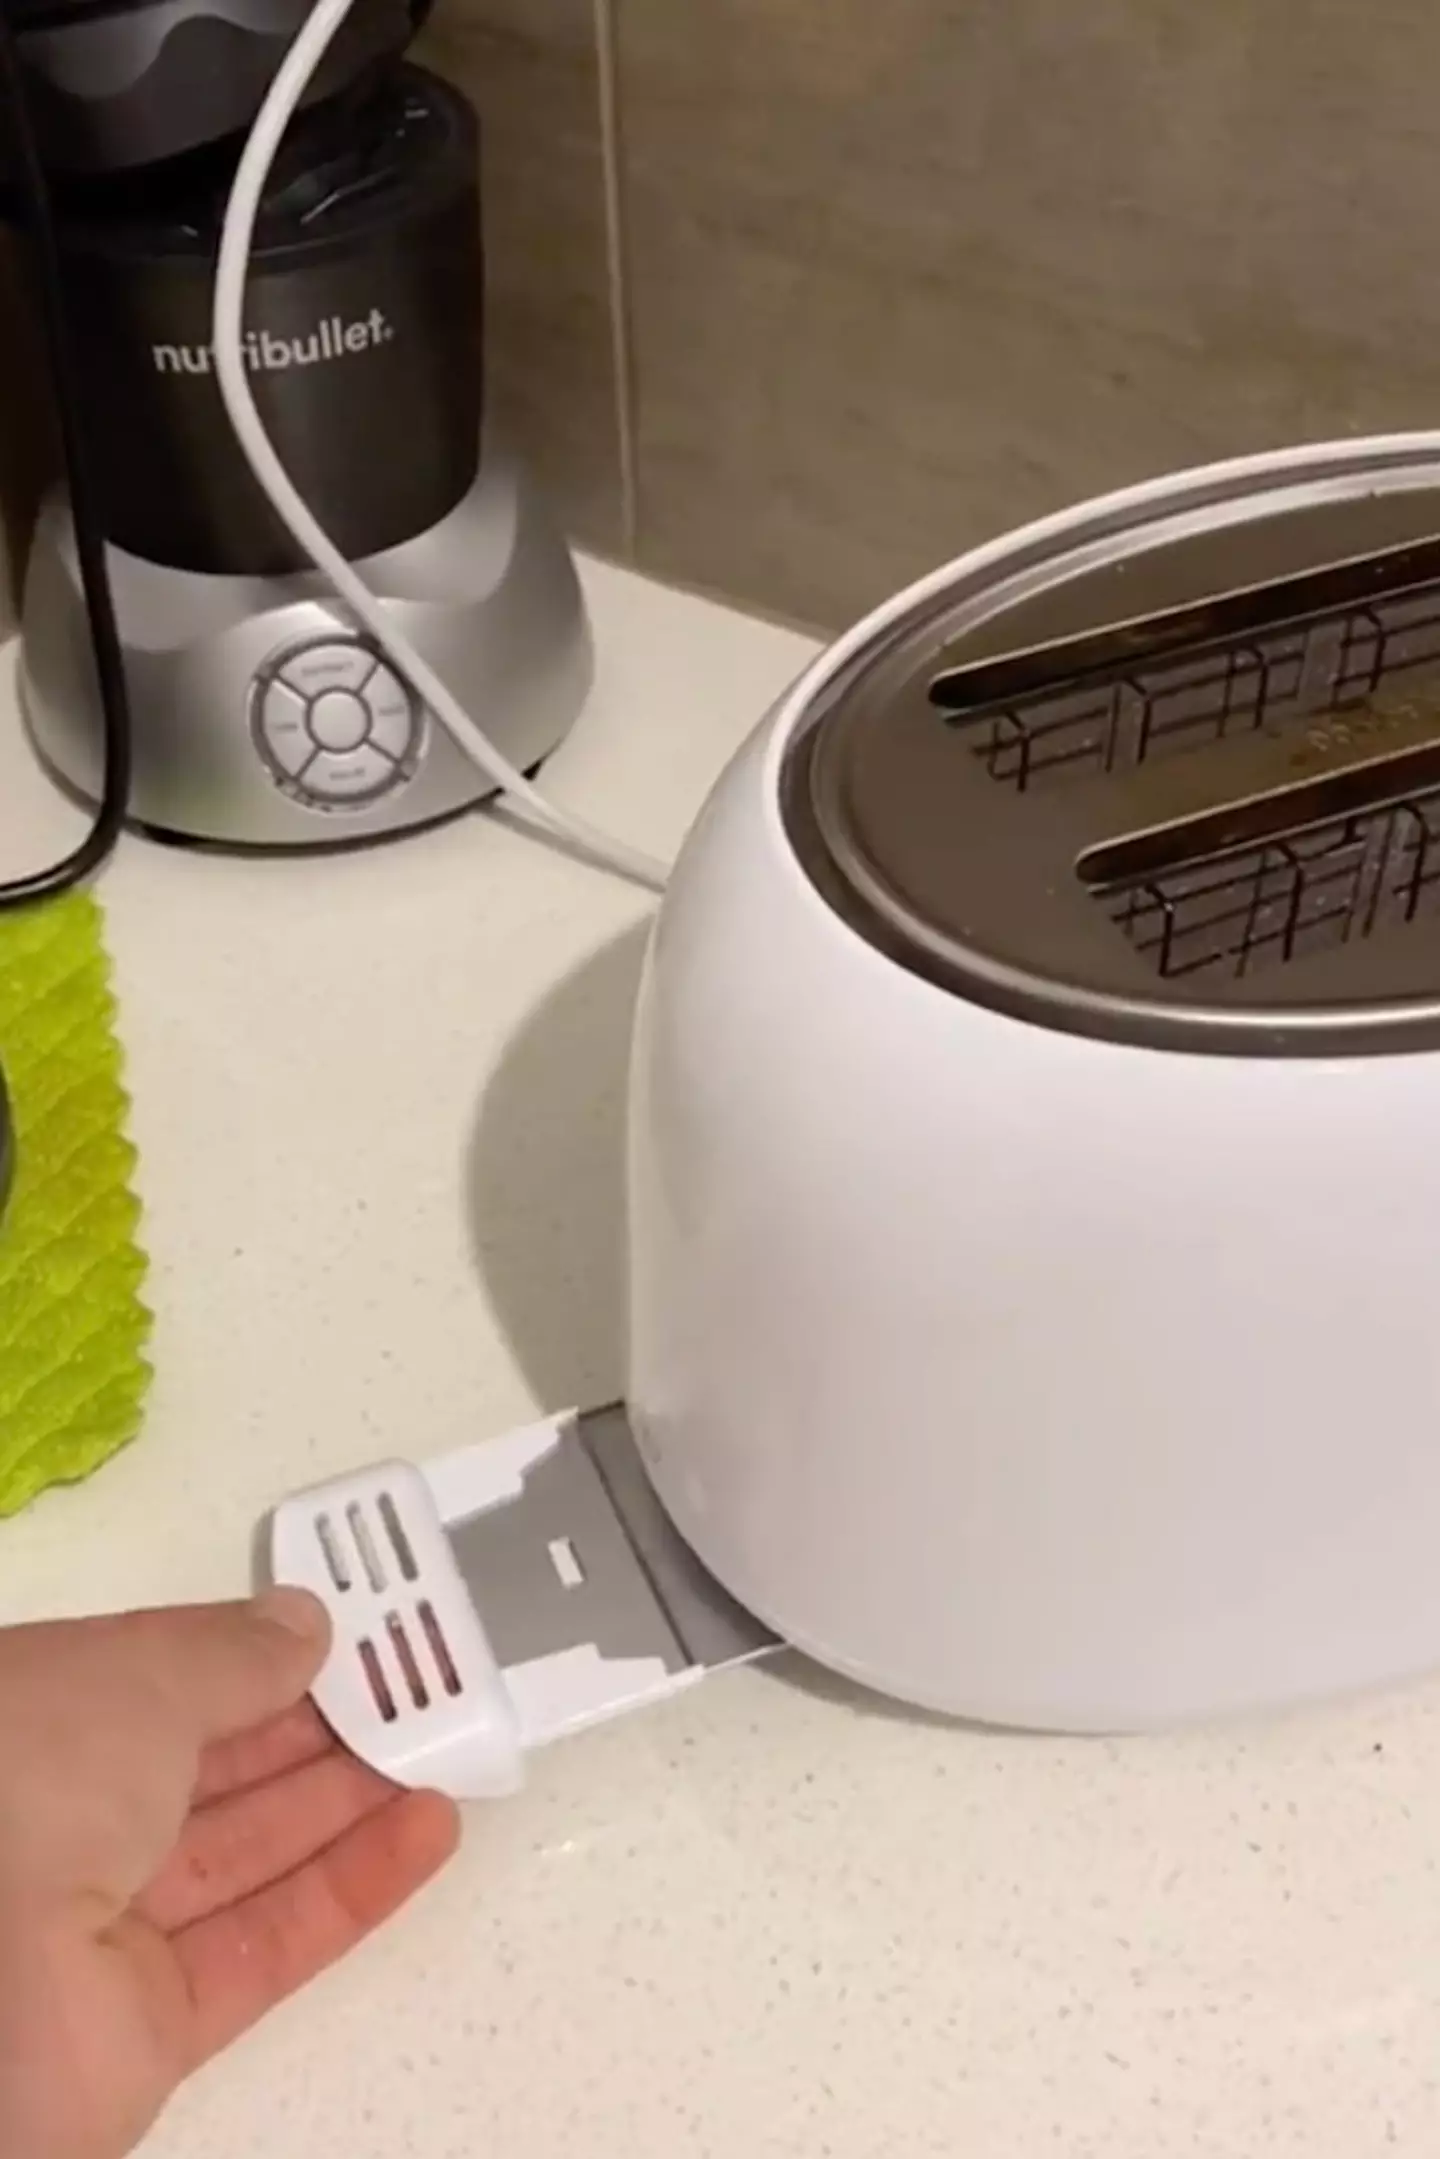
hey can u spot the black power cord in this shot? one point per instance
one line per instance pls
(43, 249)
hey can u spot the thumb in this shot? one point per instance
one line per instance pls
(228, 1667)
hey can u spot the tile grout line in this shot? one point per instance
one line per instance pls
(622, 350)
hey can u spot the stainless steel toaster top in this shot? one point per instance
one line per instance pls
(1209, 823)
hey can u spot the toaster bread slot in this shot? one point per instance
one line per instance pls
(1309, 841)
(1267, 787)
(985, 686)
(1140, 694)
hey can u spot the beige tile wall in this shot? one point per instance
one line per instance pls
(904, 273)
(899, 272)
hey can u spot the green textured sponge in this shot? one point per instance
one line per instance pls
(73, 1330)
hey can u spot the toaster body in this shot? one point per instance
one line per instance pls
(1020, 1375)
(1050, 1377)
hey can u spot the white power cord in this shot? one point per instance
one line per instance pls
(232, 273)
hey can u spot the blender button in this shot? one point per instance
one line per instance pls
(339, 720)
(353, 777)
(284, 736)
(392, 713)
(333, 666)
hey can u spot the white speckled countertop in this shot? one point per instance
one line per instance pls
(378, 1104)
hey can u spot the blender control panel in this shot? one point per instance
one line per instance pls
(335, 725)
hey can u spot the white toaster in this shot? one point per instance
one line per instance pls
(1035, 1148)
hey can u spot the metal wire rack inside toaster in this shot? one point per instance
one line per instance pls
(1277, 902)
(1256, 906)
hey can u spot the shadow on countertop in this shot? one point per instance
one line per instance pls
(545, 1182)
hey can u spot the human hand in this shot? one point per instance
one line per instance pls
(182, 1844)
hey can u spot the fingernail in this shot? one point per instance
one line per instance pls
(293, 1609)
